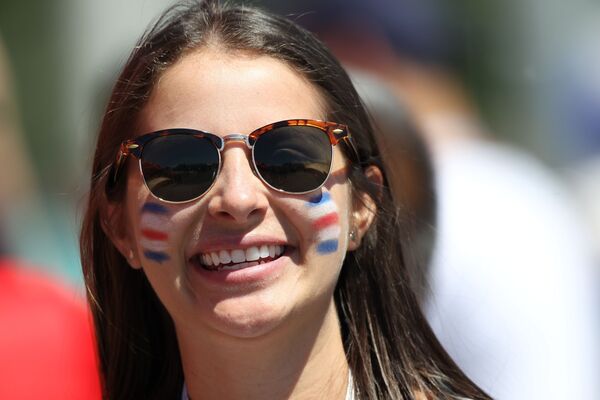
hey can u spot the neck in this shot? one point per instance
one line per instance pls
(298, 361)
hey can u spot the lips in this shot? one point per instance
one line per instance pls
(238, 258)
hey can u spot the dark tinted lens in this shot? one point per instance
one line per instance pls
(179, 167)
(293, 158)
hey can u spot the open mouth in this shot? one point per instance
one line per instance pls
(234, 259)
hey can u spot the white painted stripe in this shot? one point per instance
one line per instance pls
(154, 244)
(322, 209)
(331, 232)
(156, 222)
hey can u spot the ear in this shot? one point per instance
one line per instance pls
(364, 210)
(114, 226)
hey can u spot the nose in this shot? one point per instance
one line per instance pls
(238, 195)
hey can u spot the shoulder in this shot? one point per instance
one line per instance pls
(26, 288)
(46, 336)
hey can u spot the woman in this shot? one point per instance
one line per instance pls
(257, 267)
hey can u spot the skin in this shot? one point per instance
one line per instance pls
(273, 335)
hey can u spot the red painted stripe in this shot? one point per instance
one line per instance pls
(154, 235)
(326, 220)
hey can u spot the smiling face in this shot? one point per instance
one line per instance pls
(242, 259)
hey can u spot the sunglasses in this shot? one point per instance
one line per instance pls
(180, 165)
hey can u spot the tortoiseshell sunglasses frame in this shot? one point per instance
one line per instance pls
(336, 132)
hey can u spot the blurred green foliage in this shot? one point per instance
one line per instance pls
(31, 33)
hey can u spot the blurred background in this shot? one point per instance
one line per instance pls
(494, 106)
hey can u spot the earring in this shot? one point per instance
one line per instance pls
(352, 235)
(130, 254)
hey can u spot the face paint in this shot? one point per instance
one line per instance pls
(157, 256)
(155, 217)
(325, 222)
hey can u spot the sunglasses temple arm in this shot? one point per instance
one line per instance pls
(124, 151)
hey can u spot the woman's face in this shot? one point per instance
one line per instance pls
(240, 218)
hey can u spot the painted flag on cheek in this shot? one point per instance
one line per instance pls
(325, 222)
(154, 238)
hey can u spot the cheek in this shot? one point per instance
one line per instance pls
(324, 218)
(155, 223)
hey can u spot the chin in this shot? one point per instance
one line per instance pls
(249, 316)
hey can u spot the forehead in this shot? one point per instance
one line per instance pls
(225, 92)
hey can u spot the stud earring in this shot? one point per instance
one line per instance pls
(130, 255)
(352, 235)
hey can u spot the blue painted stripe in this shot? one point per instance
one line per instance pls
(157, 256)
(321, 198)
(154, 208)
(327, 246)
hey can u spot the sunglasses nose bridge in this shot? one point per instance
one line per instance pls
(237, 137)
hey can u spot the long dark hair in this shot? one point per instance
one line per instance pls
(391, 350)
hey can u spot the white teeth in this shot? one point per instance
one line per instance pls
(240, 266)
(224, 257)
(238, 256)
(264, 251)
(252, 254)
